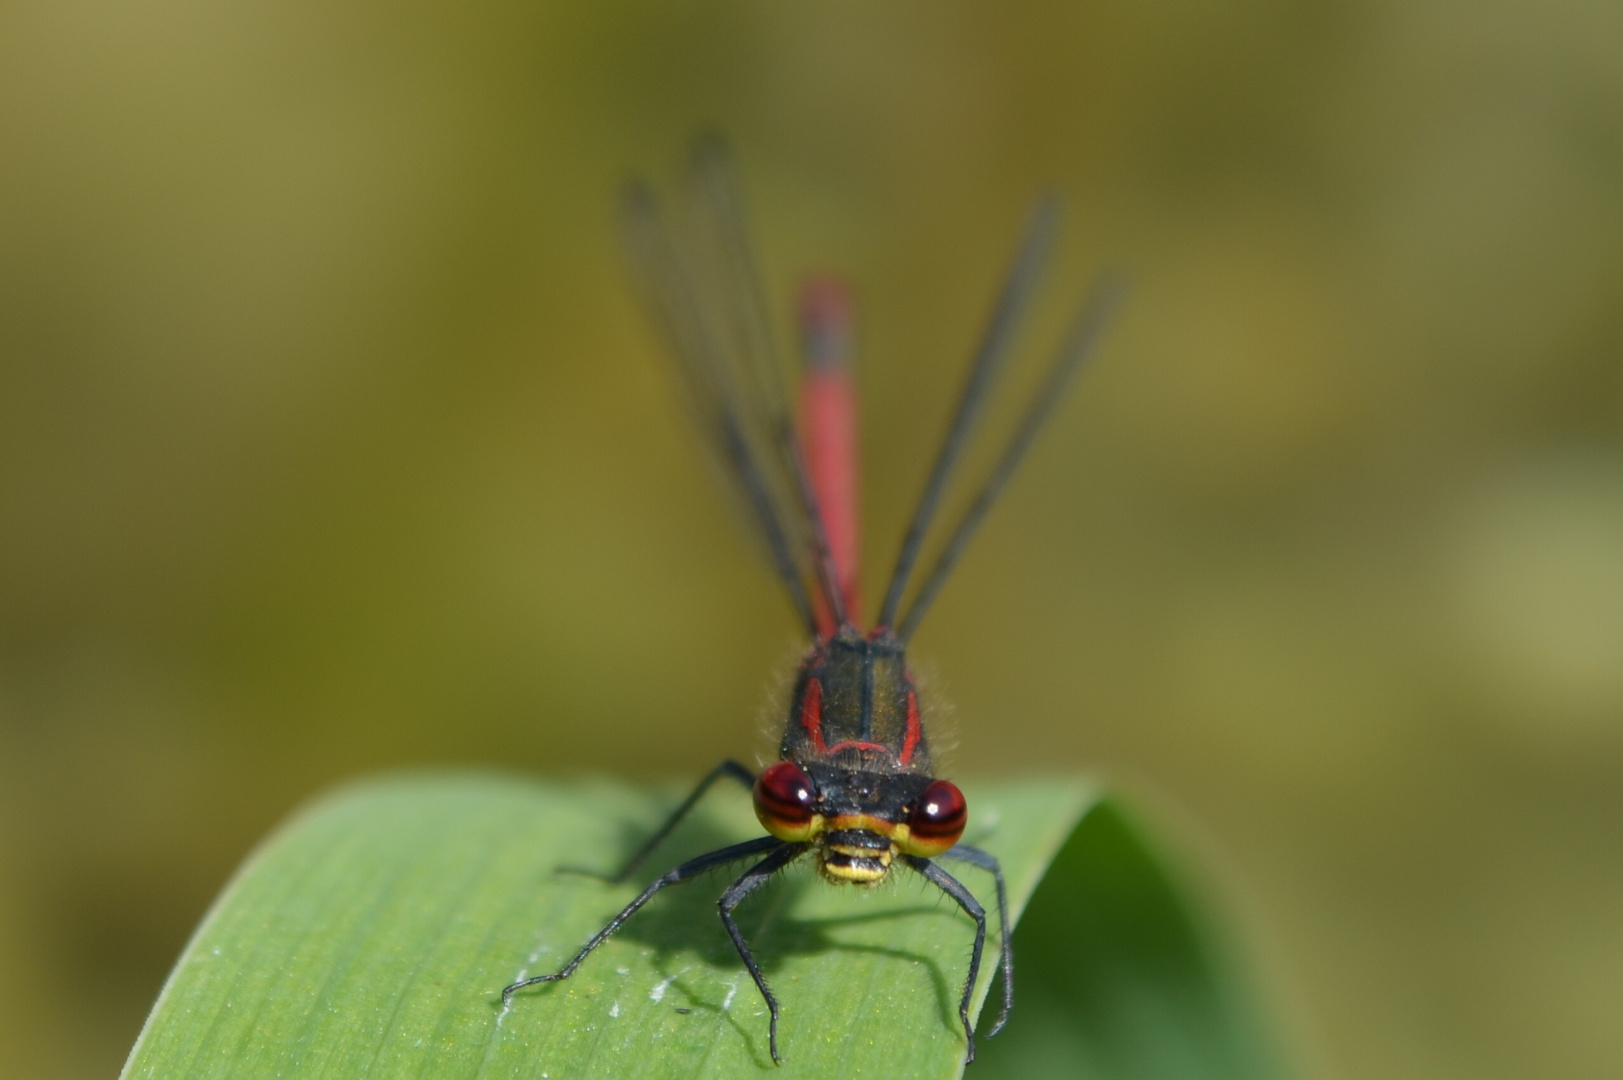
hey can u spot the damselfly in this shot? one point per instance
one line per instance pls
(853, 788)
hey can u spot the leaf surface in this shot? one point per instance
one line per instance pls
(371, 936)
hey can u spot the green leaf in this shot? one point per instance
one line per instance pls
(372, 934)
(1118, 977)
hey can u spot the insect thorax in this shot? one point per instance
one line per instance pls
(855, 705)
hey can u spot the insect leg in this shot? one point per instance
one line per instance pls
(688, 869)
(753, 879)
(726, 768)
(988, 862)
(966, 900)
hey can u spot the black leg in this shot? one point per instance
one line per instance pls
(753, 879)
(726, 768)
(966, 900)
(681, 873)
(988, 862)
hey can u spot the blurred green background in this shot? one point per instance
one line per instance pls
(330, 440)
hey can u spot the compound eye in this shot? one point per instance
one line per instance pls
(786, 802)
(938, 819)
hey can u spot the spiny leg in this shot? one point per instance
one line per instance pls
(988, 862)
(966, 900)
(688, 869)
(726, 768)
(753, 879)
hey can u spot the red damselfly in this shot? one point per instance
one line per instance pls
(854, 787)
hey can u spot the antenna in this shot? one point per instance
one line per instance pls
(1091, 321)
(1018, 288)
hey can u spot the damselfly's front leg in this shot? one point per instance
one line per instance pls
(753, 879)
(966, 900)
(988, 862)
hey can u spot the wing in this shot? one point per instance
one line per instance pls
(725, 390)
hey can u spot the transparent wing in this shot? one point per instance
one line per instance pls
(725, 258)
(1008, 315)
(1092, 319)
(728, 410)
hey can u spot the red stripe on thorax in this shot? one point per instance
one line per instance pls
(910, 742)
(857, 744)
(811, 714)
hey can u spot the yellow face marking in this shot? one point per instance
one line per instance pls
(863, 852)
(895, 831)
(795, 834)
(866, 874)
(868, 865)
(859, 875)
(926, 849)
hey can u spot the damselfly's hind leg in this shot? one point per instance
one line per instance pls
(721, 857)
(988, 862)
(726, 768)
(966, 900)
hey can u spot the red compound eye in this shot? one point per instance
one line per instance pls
(785, 801)
(938, 818)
